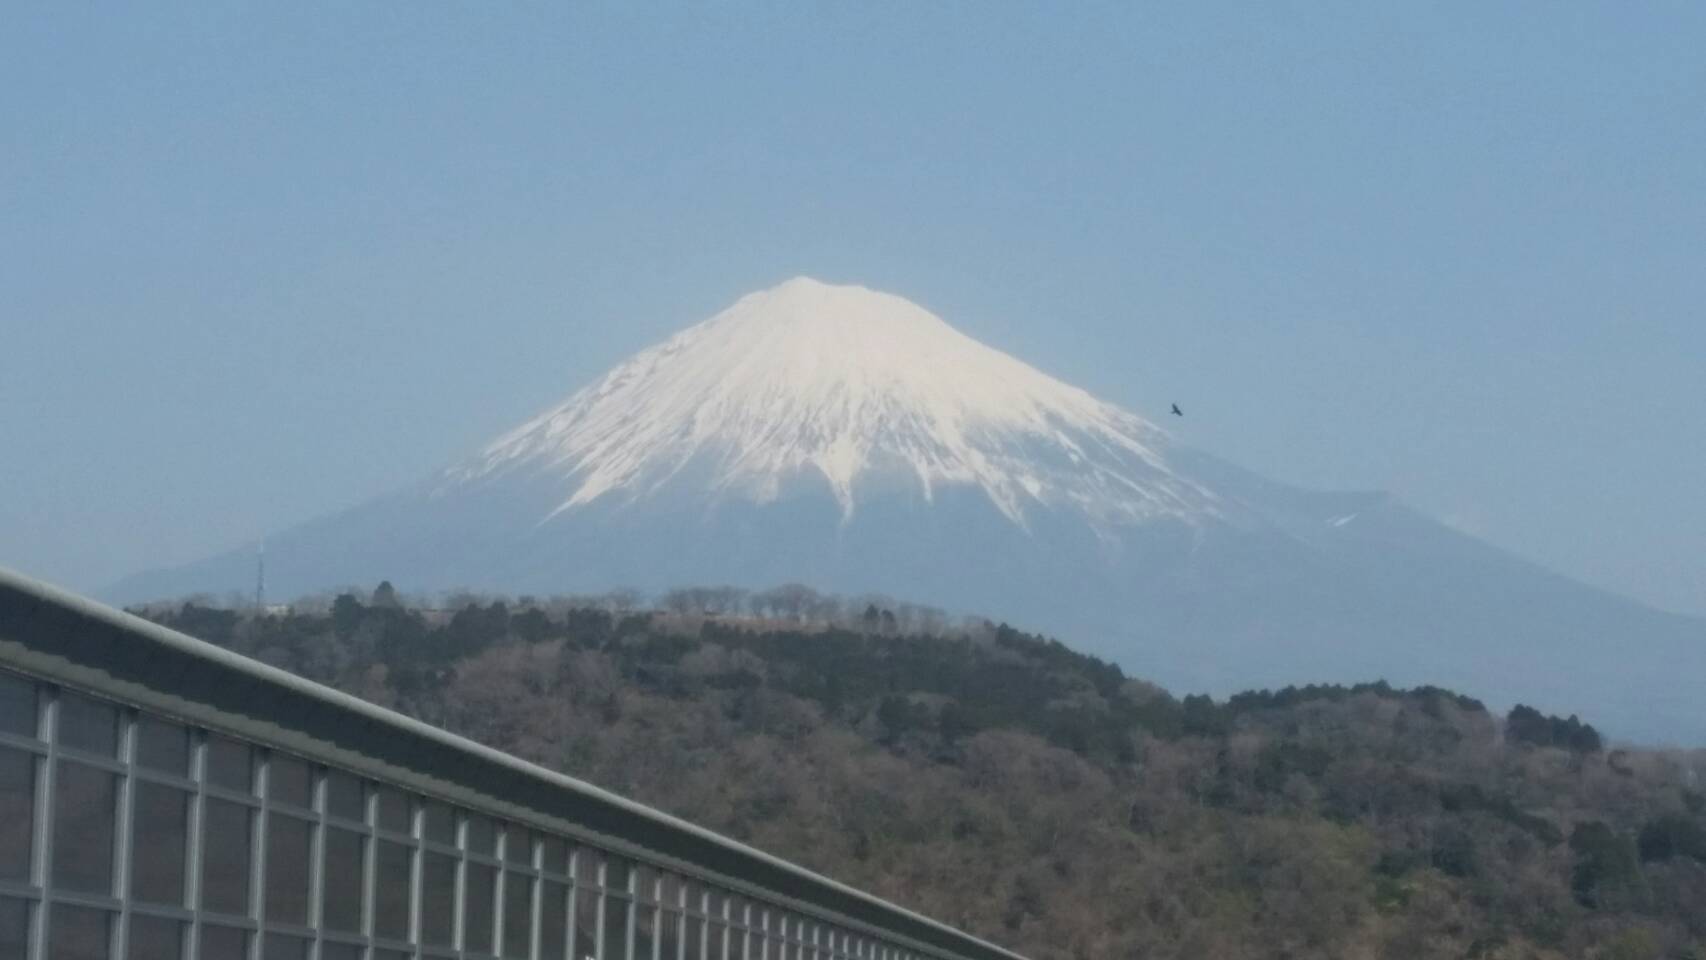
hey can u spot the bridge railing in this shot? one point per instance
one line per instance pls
(163, 798)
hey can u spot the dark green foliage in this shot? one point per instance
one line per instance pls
(1396, 863)
(474, 627)
(589, 628)
(1453, 852)
(657, 648)
(1282, 759)
(1106, 677)
(1673, 835)
(399, 637)
(1530, 726)
(953, 723)
(209, 623)
(1467, 797)
(900, 716)
(1052, 698)
(1607, 871)
(1289, 697)
(531, 625)
(347, 613)
(1200, 717)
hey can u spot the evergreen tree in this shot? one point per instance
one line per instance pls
(347, 613)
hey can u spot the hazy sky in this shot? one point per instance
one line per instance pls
(262, 261)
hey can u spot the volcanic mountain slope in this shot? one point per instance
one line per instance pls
(851, 440)
(846, 389)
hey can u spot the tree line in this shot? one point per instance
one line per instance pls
(1002, 781)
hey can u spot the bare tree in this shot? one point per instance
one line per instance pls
(794, 601)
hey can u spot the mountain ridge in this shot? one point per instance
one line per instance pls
(738, 452)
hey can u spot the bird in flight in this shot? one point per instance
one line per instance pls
(1177, 412)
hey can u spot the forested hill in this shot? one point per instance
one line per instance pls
(1041, 798)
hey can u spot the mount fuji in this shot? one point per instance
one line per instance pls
(853, 441)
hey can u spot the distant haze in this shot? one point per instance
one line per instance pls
(262, 262)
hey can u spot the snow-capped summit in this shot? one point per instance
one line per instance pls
(857, 389)
(853, 441)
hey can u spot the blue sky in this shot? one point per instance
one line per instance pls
(261, 261)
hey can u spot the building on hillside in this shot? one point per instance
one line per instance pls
(163, 799)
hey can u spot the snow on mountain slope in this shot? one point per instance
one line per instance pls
(853, 387)
(850, 440)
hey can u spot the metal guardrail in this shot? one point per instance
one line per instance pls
(82, 645)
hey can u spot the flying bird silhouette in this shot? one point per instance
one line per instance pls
(1177, 412)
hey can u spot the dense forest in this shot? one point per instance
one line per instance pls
(1041, 798)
